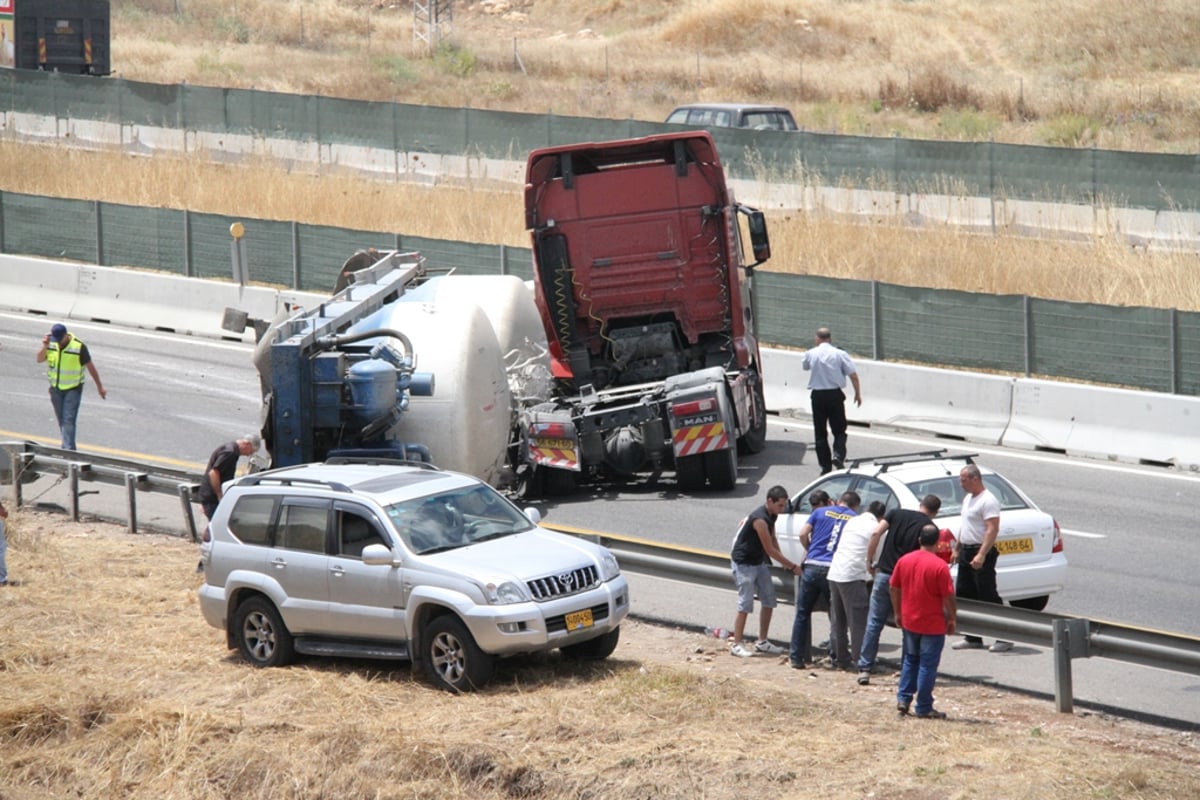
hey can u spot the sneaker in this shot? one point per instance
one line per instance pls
(740, 651)
(967, 644)
(767, 647)
(932, 713)
(1000, 646)
(864, 677)
(902, 708)
(797, 665)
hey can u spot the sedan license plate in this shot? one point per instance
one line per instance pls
(1006, 547)
(578, 620)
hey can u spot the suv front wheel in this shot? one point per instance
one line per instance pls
(453, 659)
(262, 638)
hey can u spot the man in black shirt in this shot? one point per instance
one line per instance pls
(903, 527)
(753, 548)
(222, 465)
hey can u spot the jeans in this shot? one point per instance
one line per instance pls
(66, 409)
(847, 615)
(918, 669)
(814, 584)
(877, 616)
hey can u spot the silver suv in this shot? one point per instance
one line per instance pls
(388, 560)
(734, 115)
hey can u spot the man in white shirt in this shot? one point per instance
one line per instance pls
(976, 550)
(830, 367)
(850, 583)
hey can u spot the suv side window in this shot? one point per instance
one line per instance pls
(302, 527)
(250, 520)
(355, 531)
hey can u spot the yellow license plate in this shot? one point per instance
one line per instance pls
(554, 444)
(1007, 547)
(578, 620)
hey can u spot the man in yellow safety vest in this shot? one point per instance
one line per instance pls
(66, 357)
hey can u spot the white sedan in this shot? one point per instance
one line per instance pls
(1031, 565)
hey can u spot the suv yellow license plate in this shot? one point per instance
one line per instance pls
(1008, 547)
(578, 620)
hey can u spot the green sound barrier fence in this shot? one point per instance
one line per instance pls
(1145, 348)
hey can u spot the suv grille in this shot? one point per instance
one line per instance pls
(564, 583)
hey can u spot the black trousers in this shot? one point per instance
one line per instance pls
(829, 411)
(977, 584)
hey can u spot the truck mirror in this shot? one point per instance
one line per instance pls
(760, 243)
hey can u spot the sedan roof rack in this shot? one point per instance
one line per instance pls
(895, 459)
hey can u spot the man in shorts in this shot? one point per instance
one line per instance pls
(753, 548)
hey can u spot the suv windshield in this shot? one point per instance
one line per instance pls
(448, 520)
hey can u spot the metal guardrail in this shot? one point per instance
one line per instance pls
(1068, 637)
(25, 459)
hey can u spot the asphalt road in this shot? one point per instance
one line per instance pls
(1127, 529)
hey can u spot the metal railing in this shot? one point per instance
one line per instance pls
(1067, 637)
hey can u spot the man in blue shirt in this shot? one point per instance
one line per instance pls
(820, 537)
(830, 367)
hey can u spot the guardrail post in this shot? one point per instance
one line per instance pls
(73, 471)
(1069, 639)
(131, 481)
(185, 500)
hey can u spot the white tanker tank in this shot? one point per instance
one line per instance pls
(455, 356)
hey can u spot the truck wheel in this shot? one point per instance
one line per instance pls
(721, 468)
(689, 473)
(453, 659)
(594, 649)
(262, 638)
(755, 438)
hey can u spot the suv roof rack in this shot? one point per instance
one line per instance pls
(395, 462)
(258, 478)
(895, 459)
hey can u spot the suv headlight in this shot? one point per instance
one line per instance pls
(505, 593)
(609, 568)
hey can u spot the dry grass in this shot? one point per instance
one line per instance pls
(1073, 72)
(111, 685)
(1104, 271)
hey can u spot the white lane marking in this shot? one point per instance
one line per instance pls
(1022, 455)
(1083, 534)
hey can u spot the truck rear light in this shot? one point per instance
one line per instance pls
(556, 429)
(694, 407)
(1058, 543)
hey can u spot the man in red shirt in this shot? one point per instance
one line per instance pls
(923, 598)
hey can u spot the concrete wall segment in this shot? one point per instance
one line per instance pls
(1099, 422)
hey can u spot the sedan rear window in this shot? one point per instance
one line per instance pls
(950, 492)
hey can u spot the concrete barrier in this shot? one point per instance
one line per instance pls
(960, 404)
(1115, 424)
(137, 299)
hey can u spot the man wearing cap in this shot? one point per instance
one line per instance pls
(66, 358)
(222, 465)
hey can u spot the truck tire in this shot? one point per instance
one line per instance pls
(454, 661)
(689, 473)
(721, 468)
(596, 649)
(755, 438)
(261, 636)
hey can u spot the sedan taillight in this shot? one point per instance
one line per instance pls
(1058, 543)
